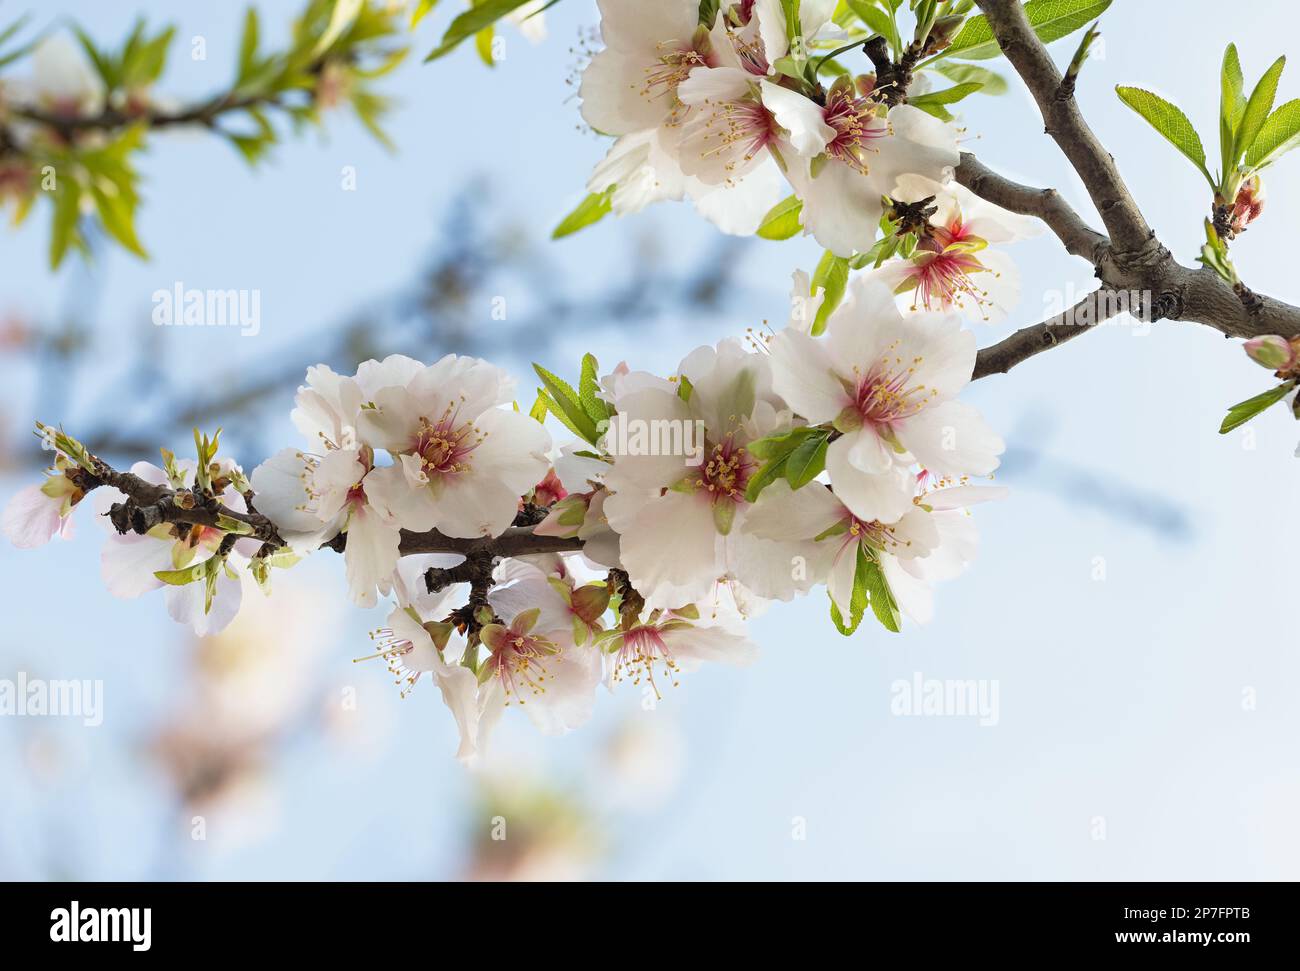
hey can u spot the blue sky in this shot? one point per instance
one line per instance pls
(1120, 698)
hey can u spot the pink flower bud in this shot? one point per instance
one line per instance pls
(1272, 352)
(1249, 204)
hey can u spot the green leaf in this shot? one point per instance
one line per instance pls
(589, 211)
(483, 44)
(783, 220)
(1257, 109)
(881, 598)
(947, 96)
(1280, 134)
(470, 23)
(1241, 413)
(421, 10)
(798, 455)
(877, 20)
(248, 47)
(1232, 101)
(589, 389)
(67, 210)
(1169, 120)
(538, 411)
(763, 478)
(569, 404)
(808, 460)
(117, 214)
(832, 275)
(1051, 20)
(859, 599)
(993, 82)
(180, 578)
(341, 18)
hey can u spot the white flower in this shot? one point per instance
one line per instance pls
(890, 385)
(462, 462)
(643, 168)
(650, 48)
(933, 540)
(408, 645)
(676, 508)
(313, 497)
(547, 582)
(953, 269)
(63, 79)
(672, 642)
(38, 513)
(851, 156)
(543, 672)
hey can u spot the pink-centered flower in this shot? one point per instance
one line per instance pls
(933, 540)
(890, 387)
(954, 267)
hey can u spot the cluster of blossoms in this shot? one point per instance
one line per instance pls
(835, 452)
(731, 113)
(753, 473)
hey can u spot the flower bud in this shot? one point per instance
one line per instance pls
(1248, 205)
(1272, 352)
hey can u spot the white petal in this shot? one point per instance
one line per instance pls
(670, 549)
(802, 118)
(951, 439)
(804, 375)
(370, 555)
(128, 564)
(882, 497)
(914, 597)
(31, 518)
(782, 513)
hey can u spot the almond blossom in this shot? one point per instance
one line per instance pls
(889, 385)
(668, 643)
(462, 462)
(312, 497)
(417, 639)
(933, 540)
(542, 671)
(676, 513)
(953, 268)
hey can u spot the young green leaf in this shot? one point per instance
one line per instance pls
(783, 220)
(807, 460)
(881, 598)
(569, 405)
(589, 388)
(993, 82)
(1051, 20)
(859, 599)
(1280, 134)
(877, 21)
(471, 22)
(947, 96)
(1241, 413)
(1231, 102)
(832, 275)
(589, 211)
(1257, 109)
(1169, 120)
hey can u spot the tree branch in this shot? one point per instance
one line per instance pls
(1128, 229)
(1096, 308)
(1131, 262)
(1079, 238)
(149, 505)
